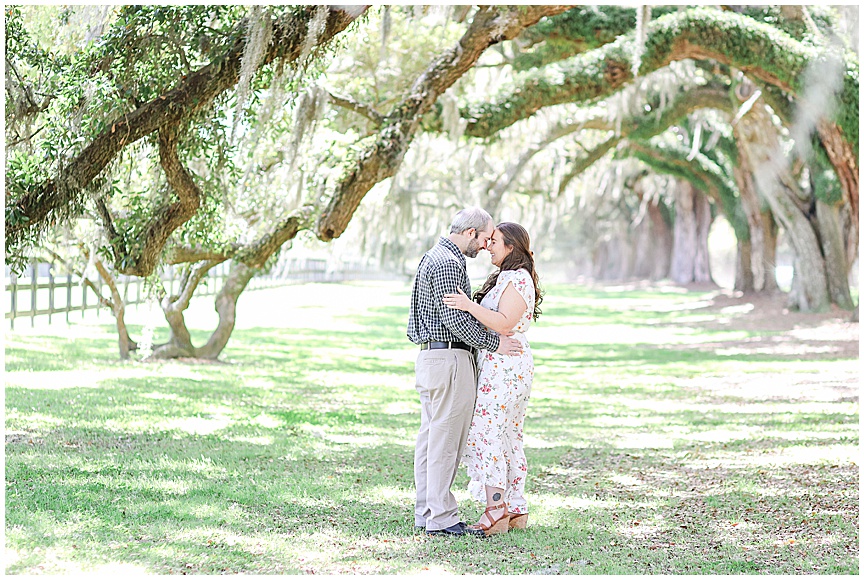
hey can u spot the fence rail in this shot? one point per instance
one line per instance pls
(46, 293)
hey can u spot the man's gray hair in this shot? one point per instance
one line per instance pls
(470, 217)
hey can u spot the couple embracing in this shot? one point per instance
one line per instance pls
(473, 374)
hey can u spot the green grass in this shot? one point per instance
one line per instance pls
(659, 442)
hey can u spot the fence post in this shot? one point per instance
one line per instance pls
(83, 296)
(50, 291)
(68, 295)
(34, 278)
(13, 280)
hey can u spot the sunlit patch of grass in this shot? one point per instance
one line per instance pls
(656, 445)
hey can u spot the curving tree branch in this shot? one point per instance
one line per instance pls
(257, 253)
(359, 108)
(380, 160)
(138, 257)
(196, 91)
(578, 30)
(648, 124)
(761, 51)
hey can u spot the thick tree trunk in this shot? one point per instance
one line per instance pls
(180, 341)
(247, 261)
(812, 294)
(690, 262)
(226, 306)
(747, 270)
(750, 257)
(704, 219)
(769, 252)
(758, 141)
(744, 277)
(179, 344)
(844, 158)
(831, 238)
(652, 240)
(613, 259)
(850, 235)
(624, 254)
(644, 250)
(684, 231)
(697, 174)
(663, 243)
(625, 257)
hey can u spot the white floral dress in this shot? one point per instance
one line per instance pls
(494, 453)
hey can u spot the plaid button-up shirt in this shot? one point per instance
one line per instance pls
(442, 271)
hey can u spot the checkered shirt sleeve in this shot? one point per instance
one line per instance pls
(442, 271)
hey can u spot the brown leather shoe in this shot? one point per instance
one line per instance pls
(499, 526)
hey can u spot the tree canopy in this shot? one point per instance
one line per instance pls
(189, 133)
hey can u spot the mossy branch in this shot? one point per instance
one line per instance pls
(760, 50)
(44, 201)
(379, 160)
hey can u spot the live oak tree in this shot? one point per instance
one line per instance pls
(155, 74)
(488, 27)
(160, 76)
(173, 118)
(768, 56)
(182, 84)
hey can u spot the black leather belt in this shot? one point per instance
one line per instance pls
(436, 345)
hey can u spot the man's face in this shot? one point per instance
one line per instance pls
(479, 241)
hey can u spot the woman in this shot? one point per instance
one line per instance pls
(509, 300)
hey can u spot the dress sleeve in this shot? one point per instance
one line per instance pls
(523, 284)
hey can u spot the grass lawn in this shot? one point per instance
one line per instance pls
(669, 432)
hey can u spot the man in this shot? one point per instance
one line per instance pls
(446, 370)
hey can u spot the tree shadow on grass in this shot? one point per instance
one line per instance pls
(678, 511)
(167, 500)
(53, 353)
(697, 355)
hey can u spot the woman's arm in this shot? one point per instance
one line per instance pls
(510, 309)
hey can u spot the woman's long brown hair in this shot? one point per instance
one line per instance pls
(521, 256)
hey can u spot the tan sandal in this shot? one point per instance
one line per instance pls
(518, 521)
(499, 526)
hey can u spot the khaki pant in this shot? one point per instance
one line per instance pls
(447, 385)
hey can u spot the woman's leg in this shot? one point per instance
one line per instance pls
(518, 462)
(486, 451)
(494, 497)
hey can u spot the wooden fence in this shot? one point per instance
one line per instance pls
(46, 289)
